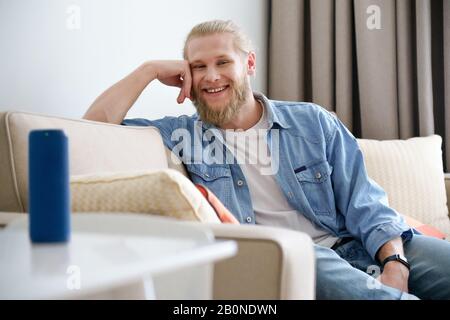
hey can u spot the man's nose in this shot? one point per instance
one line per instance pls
(212, 75)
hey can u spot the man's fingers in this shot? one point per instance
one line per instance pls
(179, 83)
(181, 96)
(177, 74)
(187, 82)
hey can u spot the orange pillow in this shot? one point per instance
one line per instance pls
(423, 228)
(222, 212)
(226, 216)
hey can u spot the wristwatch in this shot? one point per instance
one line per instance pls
(397, 257)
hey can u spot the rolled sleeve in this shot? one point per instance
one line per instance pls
(378, 237)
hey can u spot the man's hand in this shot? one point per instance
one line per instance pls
(175, 73)
(395, 275)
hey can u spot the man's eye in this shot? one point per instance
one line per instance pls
(222, 62)
(200, 66)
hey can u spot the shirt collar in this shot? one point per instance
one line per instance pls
(274, 116)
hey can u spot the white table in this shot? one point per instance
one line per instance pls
(111, 256)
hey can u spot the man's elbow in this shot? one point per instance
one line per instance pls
(95, 116)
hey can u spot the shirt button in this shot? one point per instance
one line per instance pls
(318, 175)
(206, 175)
(249, 219)
(240, 183)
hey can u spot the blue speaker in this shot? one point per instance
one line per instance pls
(48, 186)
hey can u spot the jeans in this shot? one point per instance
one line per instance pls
(349, 272)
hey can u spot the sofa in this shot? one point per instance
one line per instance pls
(271, 263)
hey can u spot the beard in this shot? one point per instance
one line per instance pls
(225, 113)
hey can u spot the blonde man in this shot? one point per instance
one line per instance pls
(310, 175)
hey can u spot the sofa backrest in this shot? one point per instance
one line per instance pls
(94, 147)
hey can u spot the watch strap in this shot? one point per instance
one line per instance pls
(399, 258)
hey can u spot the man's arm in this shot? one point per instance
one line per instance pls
(364, 204)
(358, 198)
(113, 104)
(395, 274)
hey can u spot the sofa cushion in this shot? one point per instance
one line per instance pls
(166, 192)
(411, 172)
(93, 147)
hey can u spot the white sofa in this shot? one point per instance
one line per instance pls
(271, 263)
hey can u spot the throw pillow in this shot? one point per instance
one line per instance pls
(166, 192)
(424, 228)
(222, 212)
(411, 172)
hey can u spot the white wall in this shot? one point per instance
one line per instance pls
(49, 65)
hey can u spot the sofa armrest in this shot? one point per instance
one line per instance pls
(447, 188)
(271, 263)
(8, 217)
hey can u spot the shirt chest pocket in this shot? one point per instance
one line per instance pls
(213, 177)
(315, 181)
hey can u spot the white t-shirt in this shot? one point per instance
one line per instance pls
(270, 206)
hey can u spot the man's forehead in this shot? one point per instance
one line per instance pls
(210, 46)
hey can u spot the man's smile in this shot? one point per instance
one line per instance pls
(215, 92)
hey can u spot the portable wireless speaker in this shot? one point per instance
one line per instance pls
(48, 186)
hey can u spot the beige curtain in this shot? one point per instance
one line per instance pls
(382, 65)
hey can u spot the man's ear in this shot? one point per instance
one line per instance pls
(251, 63)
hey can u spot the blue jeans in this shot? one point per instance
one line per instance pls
(349, 272)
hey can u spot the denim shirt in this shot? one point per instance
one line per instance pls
(320, 166)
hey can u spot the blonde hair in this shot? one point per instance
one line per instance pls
(241, 41)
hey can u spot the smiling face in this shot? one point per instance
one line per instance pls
(220, 84)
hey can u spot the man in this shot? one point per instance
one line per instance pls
(312, 177)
